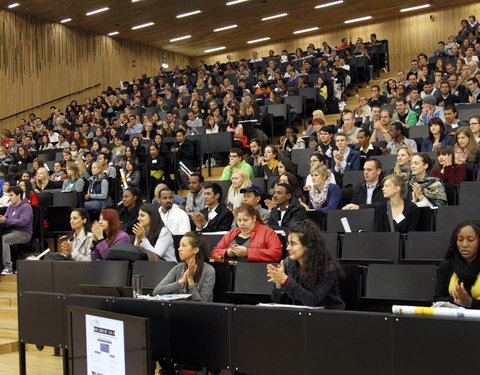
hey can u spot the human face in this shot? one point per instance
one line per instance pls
(283, 179)
(314, 161)
(103, 223)
(474, 125)
(385, 118)
(40, 175)
(268, 154)
(281, 196)
(348, 120)
(443, 158)
(341, 143)
(255, 148)
(418, 166)
(194, 184)
(95, 169)
(245, 222)
(180, 137)
(153, 152)
(296, 250)
(234, 159)
(370, 172)
(237, 180)
(144, 219)
(363, 140)
(403, 158)
(186, 251)
(462, 140)
(166, 199)
(57, 167)
(128, 199)
(210, 198)
(400, 107)
(25, 176)
(128, 166)
(435, 129)
(472, 86)
(22, 186)
(250, 198)
(444, 88)
(76, 221)
(449, 116)
(467, 243)
(389, 189)
(376, 113)
(281, 168)
(318, 179)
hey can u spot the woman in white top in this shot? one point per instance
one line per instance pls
(5, 198)
(152, 236)
(240, 180)
(316, 159)
(78, 245)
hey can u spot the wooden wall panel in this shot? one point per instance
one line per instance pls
(41, 61)
(408, 35)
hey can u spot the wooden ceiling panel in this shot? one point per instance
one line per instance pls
(124, 14)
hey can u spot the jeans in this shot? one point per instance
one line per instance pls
(13, 237)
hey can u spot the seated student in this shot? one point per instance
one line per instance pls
(128, 210)
(426, 190)
(365, 147)
(290, 141)
(402, 166)
(177, 199)
(195, 199)
(5, 198)
(18, 220)
(58, 173)
(370, 190)
(104, 162)
(309, 275)
(437, 136)
(269, 161)
(323, 196)
(403, 114)
(457, 278)
(97, 194)
(344, 158)
(252, 241)
(466, 149)
(152, 236)
(429, 111)
(174, 218)
(42, 181)
(193, 275)
(316, 159)
(252, 195)
(474, 124)
(397, 132)
(132, 174)
(77, 245)
(106, 233)
(216, 216)
(73, 182)
(288, 209)
(239, 181)
(235, 163)
(28, 192)
(449, 171)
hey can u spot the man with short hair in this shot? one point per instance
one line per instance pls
(183, 149)
(397, 132)
(444, 95)
(370, 190)
(326, 142)
(236, 162)
(174, 218)
(363, 110)
(374, 117)
(256, 152)
(29, 144)
(451, 119)
(376, 98)
(414, 67)
(195, 199)
(428, 89)
(85, 130)
(255, 58)
(429, 110)
(414, 83)
(18, 220)
(104, 160)
(344, 158)
(414, 100)
(365, 147)
(440, 51)
(472, 95)
(252, 195)
(287, 210)
(216, 216)
(349, 127)
(456, 88)
(193, 120)
(403, 114)
(177, 199)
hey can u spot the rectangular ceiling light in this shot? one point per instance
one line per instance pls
(97, 11)
(359, 19)
(188, 14)
(329, 4)
(275, 16)
(113, 33)
(225, 28)
(258, 40)
(214, 49)
(415, 8)
(235, 2)
(306, 30)
(180, 38)
(14, 5)
(65, 20)
(143, 25)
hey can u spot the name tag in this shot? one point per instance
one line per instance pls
(129, 179)
(454, 126)
(399, 218)
(154, 161)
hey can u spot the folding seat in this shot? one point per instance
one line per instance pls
(372, 247)
(359, 220)
(426, 246)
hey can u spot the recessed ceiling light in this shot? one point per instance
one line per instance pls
(143, 25)
(164, 65)
(180, 38)
(415, 8)
(306, 30)
(188, 14)
(113, 33)
(225, 28)
(65, 20)
(328, 4)
(214, 49)
(258, 40)
(359, 19)
(275, 16)
(135, 1)
(235, 2)
(97, 11)
(13, 5)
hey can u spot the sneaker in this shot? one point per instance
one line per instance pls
(7, 271)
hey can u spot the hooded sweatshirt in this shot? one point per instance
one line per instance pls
(20, 217)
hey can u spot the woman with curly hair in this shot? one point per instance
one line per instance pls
(309, 275)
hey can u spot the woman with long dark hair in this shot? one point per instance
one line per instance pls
(309, 275)
(437, 136)
(152, 236)
(78, 243)
(106, 233)
(458, 274)
(449, 171)
(193, 276)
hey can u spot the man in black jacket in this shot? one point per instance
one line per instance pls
(288, 209)
(184, 149)
(365, 147)
(370, 190)
(216, 216)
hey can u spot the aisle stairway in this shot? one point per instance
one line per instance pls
(8, 314)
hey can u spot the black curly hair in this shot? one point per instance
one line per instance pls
(452, 245)
(317, 257)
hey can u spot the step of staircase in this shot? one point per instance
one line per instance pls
(8, 286)
(8, 346)
(8, 314)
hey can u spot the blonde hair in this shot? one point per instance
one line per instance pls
(75, 169)
(41, 184)
(318, 113)
(396, 169)
(244, 176)
(397, 180)
(322, 170)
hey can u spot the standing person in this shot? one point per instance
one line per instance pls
(106, 233)
(152, 236)
(457, 278)
(18, 220)
(309, 275)
(193, 275)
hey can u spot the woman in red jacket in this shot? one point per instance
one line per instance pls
(449, 171)
(252, 241)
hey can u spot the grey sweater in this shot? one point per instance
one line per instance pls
(201, 291)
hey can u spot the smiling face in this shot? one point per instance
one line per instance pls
(296, 250)
(143, 219)
(467, 243)
(403, 158)
(418, 166)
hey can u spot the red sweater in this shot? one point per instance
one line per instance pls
(453, 174)
(265, 246)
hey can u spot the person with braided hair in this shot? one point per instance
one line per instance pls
(309, 275)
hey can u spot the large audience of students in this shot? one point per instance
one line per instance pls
(139, 134)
